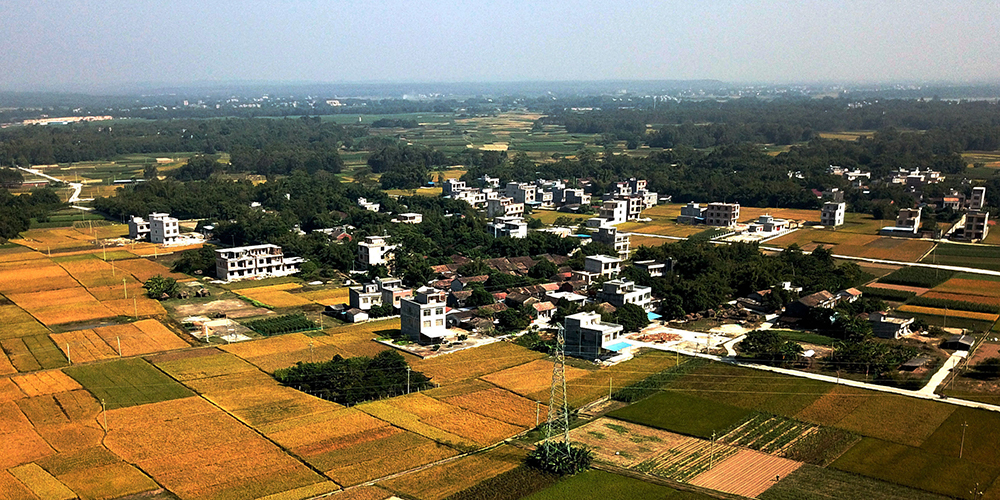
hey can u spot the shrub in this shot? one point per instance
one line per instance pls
(553, 457)
(288, 323)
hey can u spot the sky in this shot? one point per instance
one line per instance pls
(112, 44)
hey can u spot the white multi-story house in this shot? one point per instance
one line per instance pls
(513, 227)
(410, 218)
(375, 251)
(451, 187)
(977, 225)
(609, 235)
(653, 268)
(504, 207)
(602, 266)
(722, 214)
(160, 228)
(521, 192)
(619, 292)
(832, 214)
(909, 219)
(978, 198)
(257, 261)
(365, 204)
(422, 317)
(614, 211)
(586, 335)
(382, 291)
(474, 197)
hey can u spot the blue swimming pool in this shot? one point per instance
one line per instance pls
(617, 346)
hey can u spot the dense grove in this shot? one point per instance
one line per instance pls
(16, 211)
(354, 380)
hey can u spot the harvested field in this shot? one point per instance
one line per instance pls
(378, 458)
(127, 382)
(357, 339)
(472, 363)
(227, 461)
(961, 297)
(95, 472)
(966, 284)
(233, 309)
(33, 353)
(625, 444)
(903, 288)
(15, 322)
(747, 473)
(951, 313)
(438, 483)
(530, 378)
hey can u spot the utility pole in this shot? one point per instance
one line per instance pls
(104, 413)
(312, 358)
(119, 339)
(611, 379)
(961, 450)
(69, 357)
(125, 287)
(135, 305)
(538, 411)
(711, 460)
(407, 379)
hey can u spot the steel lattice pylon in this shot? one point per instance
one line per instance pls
(557, 429)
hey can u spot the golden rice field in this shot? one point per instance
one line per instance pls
(751, 214)
(275, 295)
(6, 367)
(379, 458)
(440, 421)
(57, 239)
(595, 384)
(965, 286)
(68, 305)
(33, 353)
(636, 241)
(92, 272)
(142, 337)
(228, 460)
(151, 250)
(33, 276)
(282, 351)
(501, 405)
(95, 472)
(327, 296)
(530, 378)
(951, 313)
(143, 269)
(198, 364)
(44, 383)
(662, 228)
(41, 483)
(357, 339)
(440, 482)
(978, 299)
(19, 253)
(20, 442)
(473, 363)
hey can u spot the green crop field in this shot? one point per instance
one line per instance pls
(600, 485)
(808, 337)
(752, 389)
(978, 256)
(818, 483)
(680, 412)
(915, 467)
(128, 382)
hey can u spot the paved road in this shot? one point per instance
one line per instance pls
(77, 186)
(943, 372)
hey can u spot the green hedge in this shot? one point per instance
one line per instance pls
(288, 323)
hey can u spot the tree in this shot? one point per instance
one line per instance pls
(767, 346)
(512, 320)
(550, 458)
(544, 269)
(199, 262)
(632, 317)
(159, 287)
(479, 297)
(150, 172)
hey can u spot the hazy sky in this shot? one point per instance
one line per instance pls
(66, 44)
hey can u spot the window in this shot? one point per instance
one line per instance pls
(427, 312)
(427, 324)
(439, 322)
(439, 310)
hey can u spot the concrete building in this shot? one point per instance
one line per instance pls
(474, 197)
(410, 218)
(422, 317)
(978, 199)
(258, 261)
(602, 266)
(575, 197)
(586, 335)
(374, 251)
(493, 182)
(393, 291)
(619, 292)
(609, 235)
(512, 227)
(977, 226)
(692, 213)
(653, 268)
(614, 211)
(767, 224)
(722, 214)
(160, 228)
(365, 204)
(504, 207)
(832, 214)
(451, 187)
(909, 218)
(521, 192)
(364, 297)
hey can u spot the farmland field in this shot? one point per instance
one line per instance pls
(275, 295)
(530, 378)
(437, 483)
(679, 412)
(819, 483)
(282, 351)
(127, 382)
(472, 363)
(978, 256)
(498, 404)
(33, 353)
(600, 485)
(854, 244)
(97, 473)
(228, 460)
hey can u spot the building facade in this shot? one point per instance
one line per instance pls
(586, 335)
(619, 292)
(609, 235)
(832, 214)
(722, 214)
(257, 261)
(375, 251)
(422, 317)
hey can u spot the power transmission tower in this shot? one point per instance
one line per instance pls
(557, 429)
